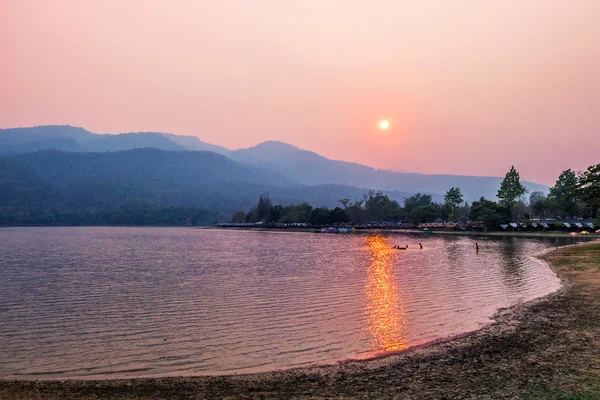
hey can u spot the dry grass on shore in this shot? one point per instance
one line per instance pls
(545, 349)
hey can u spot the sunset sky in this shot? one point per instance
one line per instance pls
(469, 87)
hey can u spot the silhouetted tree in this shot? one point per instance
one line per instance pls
(423, 214)
(588, 188)
(263, 206)
(453, 199)
(275, 213)
(396, 211)
(410, 203)
(564, 194)
(510, 190)
(320, 216)
(541, 207)
(486, 211)
(357, 213)
(339, 216)
(378, 206)
(252, 215)
(536, 196)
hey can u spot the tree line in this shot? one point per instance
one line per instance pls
(126, 215)
(574, 195)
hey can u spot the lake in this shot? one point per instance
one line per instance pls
(116, 302)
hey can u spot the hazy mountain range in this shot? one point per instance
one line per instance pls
(65, 165)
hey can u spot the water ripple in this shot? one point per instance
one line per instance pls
(94, 302)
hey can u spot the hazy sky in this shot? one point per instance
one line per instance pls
(469, 87)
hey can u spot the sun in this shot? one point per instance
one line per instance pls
(384, 124)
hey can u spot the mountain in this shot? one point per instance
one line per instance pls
(305, 166)
(93, 188)
(56, 143)
(70, 138)
(129, 141)
(144, 186)
(22, 189)
(14, 137)
(143, 171)
(299, 167)
(193, 143)
(309, 168)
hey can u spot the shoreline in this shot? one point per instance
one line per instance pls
(522, 234)
(455, 365)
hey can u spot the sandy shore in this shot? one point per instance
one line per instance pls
(546, 348)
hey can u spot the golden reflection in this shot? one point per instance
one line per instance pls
(384, 311)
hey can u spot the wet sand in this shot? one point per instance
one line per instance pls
(546, 348)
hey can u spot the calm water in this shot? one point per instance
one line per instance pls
(95, 302)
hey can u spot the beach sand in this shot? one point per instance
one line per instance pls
(546, 348)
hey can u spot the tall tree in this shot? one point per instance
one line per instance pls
(486, 211)
(410, 203)
(357, 213)
(510, 190)
(396, 211)
(252, 215)
(541, 207)
(264, 205)
(534, 197)
(422, 214)
(378, 205)
(588, 187)
(320, 216)
(275, 213)
(453, 199)
(338, 215)
(304, 211)
(564, 194)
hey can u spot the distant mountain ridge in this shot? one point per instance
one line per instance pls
(298, 166)
(21, 140)
(56, 187)
(310, 168)
(195, 144)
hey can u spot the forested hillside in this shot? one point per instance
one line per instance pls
(297, 165)
(143, 187)
(71, 188)
(310, 168)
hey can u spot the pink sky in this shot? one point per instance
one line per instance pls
(470, 87)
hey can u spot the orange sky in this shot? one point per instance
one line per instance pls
(470, 87)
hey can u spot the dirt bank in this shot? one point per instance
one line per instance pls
(548, 348)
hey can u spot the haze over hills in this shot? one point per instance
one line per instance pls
(163, 178)
(298, 167)
(311, 168)
(54, 137)
(91, 188)
(129, 141)
(193, 143)
(22, 136)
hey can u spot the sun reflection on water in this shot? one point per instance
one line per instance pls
(384, 311)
